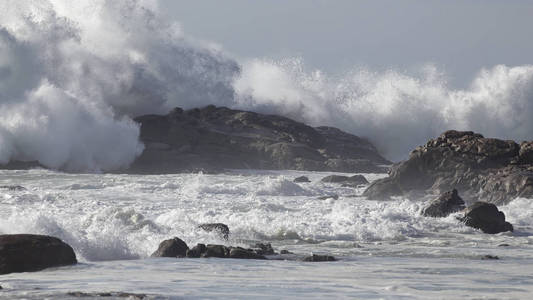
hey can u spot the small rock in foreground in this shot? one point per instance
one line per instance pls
(345, 180)
(301, 179)
(174, 247)
(12, 187)
(107, 294)
(490, 257)
(222, 251)
(444, 205)
(316, 257)
(264, 249)
(487, 217)
(29, 252)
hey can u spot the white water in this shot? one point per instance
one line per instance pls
(74, 73)
(385, 249)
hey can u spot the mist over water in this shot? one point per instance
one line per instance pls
(73, 74)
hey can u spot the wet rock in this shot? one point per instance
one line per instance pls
(107, 294)
(174, 247)
(316, 257)
(28, 252)
(486, 169)
(12, 187)
(221, 228)
(489, 257)
(219, 251)
(238, 252)
(196, 251)
(285, 252)
(444, 205)
(487, 217)
(264, 249)
(302, 179)
(525, 153)
(220, 138)
(345, 180)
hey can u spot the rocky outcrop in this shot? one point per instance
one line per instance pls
(487, 169)
(316, 257)
(174, 247)
(214, 138)
(29, 252)
(220, 228)
(351, 181)
(444, 205)
(112, 295)
(222, 251)
(487, 217)
(301, 179)
(258, 251)
(12, 187)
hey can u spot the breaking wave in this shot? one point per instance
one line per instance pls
(72, 75)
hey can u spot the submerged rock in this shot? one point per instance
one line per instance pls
(316, 257)
(489, 257)
(242, 253)
(174, 247)
(487, 217)
(487, 169)
(444, 205)
(12, 187)
(264, 249)
(29, 252)
(345, 180)
(301, 179)
(221, 251)
(217, 138)
(221, 228)
(113, 295)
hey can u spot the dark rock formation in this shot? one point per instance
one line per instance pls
(444, 205)
(316, 257)
(174, 247)
(28, 252)
(220, 228)
(487, 169)
(238, 252)
(12, 187)
(113, 295)
(196, 251)
(302, 179)
(215, 138)
(487, 217)
(489, 257)
(351, 181)
(219, 251)
(264, 249)
(222, 251)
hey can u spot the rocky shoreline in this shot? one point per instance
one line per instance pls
(481, 169)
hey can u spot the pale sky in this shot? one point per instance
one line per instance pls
(460, 37)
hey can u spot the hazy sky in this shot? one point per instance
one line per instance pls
(460, 37)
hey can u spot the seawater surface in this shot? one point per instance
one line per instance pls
(386, 249)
